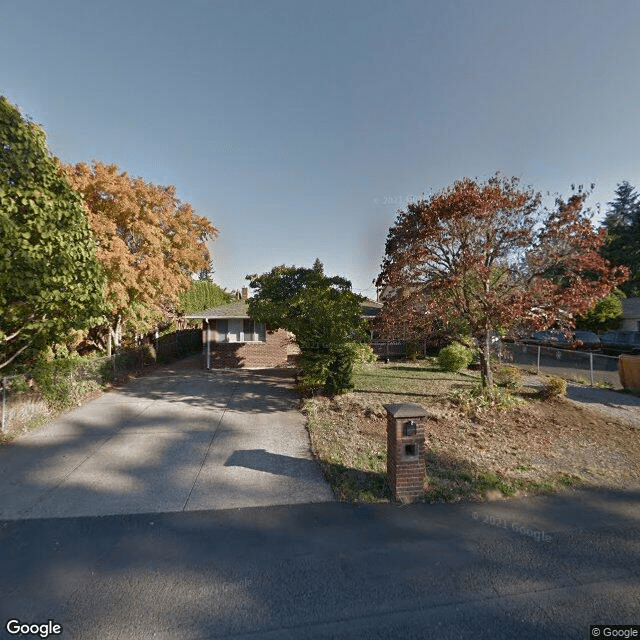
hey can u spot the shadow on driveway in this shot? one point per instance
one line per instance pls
(159, 444)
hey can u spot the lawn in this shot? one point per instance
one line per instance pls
(474, 450)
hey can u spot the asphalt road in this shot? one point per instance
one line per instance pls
(543, 567)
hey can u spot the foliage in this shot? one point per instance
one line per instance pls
(508, 376)
(323, 314)
(622, 225)
(554, 388)
(479, 399)
(50, 280)
(479, 258)
(454, 357)
(606, 314)
(201, 295)
(149, 243)
(413, 351)
(363, 353)
(63, 382)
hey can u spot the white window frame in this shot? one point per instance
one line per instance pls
(235, 331)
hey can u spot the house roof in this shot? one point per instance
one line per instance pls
(370, 309)
(233, 310)
(240, 309)
(631, 307)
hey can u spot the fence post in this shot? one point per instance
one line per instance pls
(538, 360)
(4, 387)
(591, 366)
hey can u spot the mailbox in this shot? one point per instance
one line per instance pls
(410, 428)
(405, 450)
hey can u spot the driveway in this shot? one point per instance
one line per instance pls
(178, 439)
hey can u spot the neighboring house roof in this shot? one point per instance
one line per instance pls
(240, 309)
(233, 310)
(631, 307)
(370, 309)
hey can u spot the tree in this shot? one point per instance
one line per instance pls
(50, 280)
(479, 258)
(323, 314)
(149, 244)
(201, 295)
(622, 244)
(604, 315)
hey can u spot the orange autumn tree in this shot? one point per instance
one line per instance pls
(149, 244)
(479, 258)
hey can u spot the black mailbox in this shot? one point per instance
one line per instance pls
(409, 428)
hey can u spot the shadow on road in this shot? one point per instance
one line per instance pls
(332, 570)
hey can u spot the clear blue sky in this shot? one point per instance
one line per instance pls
(299, 128)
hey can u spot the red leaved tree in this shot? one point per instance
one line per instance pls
(479, 258)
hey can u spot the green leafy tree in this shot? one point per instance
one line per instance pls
(201, 295)
(622, 243)
(605, 314)
(50, 280)
(323, 314)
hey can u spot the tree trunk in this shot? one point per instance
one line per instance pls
(485, 362)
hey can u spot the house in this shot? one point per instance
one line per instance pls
(630, 314)
(231, 339)
(370, 311)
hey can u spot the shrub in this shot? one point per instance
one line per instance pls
(554, 388)
(454, 357)
(508, 376)
(329, 371)
(363, 353)
(413, 351)
(477, 400)
(64, 381)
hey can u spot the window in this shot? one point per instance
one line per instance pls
(240, 330)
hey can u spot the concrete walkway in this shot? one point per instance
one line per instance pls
(177, 439)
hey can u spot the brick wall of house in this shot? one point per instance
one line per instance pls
(279, 350)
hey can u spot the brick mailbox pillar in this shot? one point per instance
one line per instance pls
(405, 450)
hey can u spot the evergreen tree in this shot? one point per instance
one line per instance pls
(201, 295)
(622, 244)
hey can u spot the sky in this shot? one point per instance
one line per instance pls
(300, 128)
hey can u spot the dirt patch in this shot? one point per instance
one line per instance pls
(538, 439)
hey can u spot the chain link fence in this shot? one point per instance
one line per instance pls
(585, 367)
(64, 383)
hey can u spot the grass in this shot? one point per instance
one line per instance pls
(348, 435)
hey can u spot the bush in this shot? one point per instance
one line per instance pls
(64, 381)
(329, 371)
(454, 357)
(478, 399)
(508, 376)
(413, 351)
(554, 388)
(363, 353)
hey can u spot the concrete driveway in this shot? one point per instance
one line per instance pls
(177, 439)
